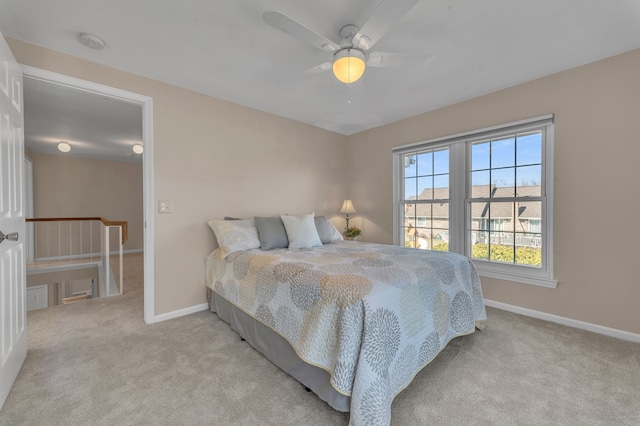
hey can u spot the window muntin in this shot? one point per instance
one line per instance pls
(500, 195)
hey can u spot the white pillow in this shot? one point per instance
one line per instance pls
(301, 231)
(235, 235)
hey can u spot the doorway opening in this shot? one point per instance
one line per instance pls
(144, 103)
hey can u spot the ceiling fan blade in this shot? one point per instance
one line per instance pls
(284, 23)
(398, 60)
(304, 74)
(381, 20)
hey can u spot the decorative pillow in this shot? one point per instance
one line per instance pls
(271, 233)
(326, 230)
(301, 231)
(337, 235)
(235, 235)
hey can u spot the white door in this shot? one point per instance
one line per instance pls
(13, 327)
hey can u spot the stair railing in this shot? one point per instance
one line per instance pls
(71, 242)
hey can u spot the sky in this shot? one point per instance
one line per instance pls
(503, 162)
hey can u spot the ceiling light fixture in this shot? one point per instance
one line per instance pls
(64, 147)
(91, 40)
(137, 149)
(349, 65)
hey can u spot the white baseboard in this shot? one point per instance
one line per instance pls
(595, 328)
(181, 312)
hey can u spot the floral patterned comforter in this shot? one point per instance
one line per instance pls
(371, 315)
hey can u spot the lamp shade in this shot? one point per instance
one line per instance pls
(347, 207)
(348, 65)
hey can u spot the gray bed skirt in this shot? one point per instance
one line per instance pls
(277, 350)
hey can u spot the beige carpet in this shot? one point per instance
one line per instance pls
(97, 363)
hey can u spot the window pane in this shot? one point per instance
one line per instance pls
(535, 226)
(529, 248)
(440, 239)
(529, 179)
(423, 213)
(529, 214)
(501, 215)
(504, 181)
(441, 187)
(440, 215)
(501, 247)
(423, 238)
(503, 152)
(479, 216)
(410, 189)
(426, 224)
(479, 246)
(410, 165)
(530, 256)
(425, 188)
(425, 164)
(440, 234)
(528, 240)
(480, 153)
(417, 238)
(480, 187)
(529, 148)
(409, 215)
(441, 161)
(409, 240)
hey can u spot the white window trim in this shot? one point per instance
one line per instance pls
(459, 181)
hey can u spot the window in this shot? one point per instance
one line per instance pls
(506, 193)
(485, 194)
(426, 199)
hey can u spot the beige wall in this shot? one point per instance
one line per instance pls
(213, 158)
(66, 186)
(597, 150)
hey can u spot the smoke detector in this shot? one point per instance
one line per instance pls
(91, 40)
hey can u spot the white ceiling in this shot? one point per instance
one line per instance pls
(95, 126)
(223, 48)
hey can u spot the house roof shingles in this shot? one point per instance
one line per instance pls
(525, 209)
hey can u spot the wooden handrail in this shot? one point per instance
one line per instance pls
(105, 222)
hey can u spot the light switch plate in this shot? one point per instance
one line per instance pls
(165, 206)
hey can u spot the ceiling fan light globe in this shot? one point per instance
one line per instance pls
(349, 65)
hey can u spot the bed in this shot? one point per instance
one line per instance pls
(352, 321)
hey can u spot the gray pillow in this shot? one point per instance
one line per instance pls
(271, 233)
(325, 229)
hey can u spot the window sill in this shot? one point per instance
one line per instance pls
(514, 277)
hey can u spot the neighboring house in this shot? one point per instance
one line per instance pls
(426, 225)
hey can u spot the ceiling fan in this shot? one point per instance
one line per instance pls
(351, 53)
